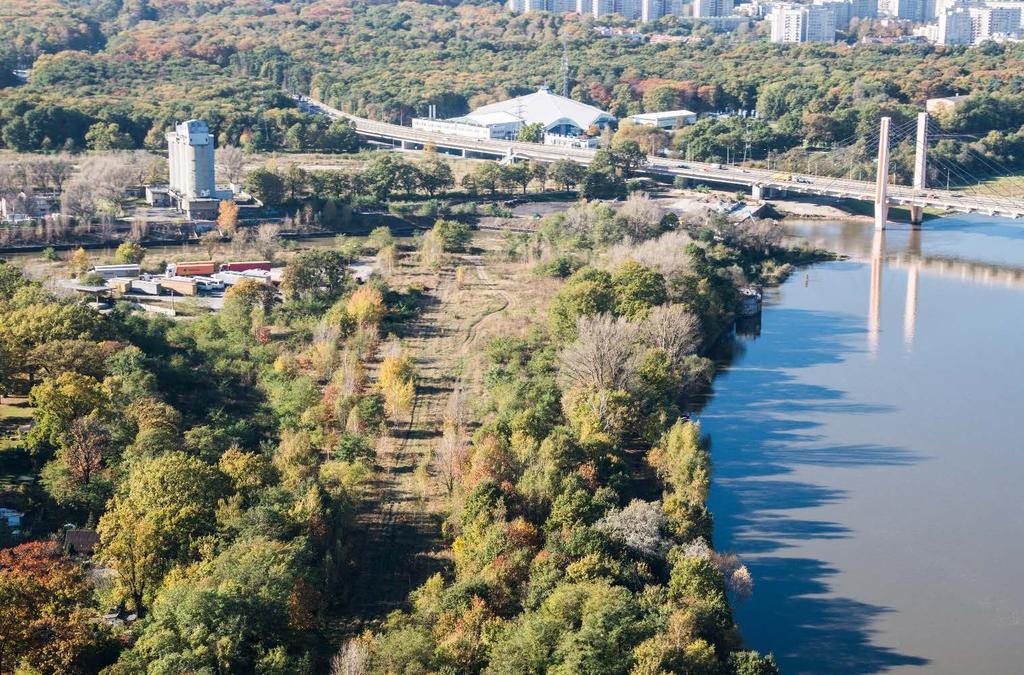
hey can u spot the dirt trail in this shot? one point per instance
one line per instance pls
(397, 543)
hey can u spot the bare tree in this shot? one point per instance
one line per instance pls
(83, 455)
(453, 449)
(640, 526)
(267, 240)
(140, 228)
(672, 328)
(59, 170)
(642, 216)
(210, 241)
(603, 355)
(667, 253)
(352, 659)
(111, 178)
(231, 163)
(79, 200)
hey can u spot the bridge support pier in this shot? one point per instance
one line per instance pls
(920, 166)
(759, 192)
(882, 176)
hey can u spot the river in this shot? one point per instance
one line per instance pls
(868, 464)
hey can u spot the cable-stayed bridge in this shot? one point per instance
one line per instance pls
(962, 191)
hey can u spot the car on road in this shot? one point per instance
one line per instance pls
(801, 179)
(682, 166)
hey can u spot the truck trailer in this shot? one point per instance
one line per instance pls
(114, 271)
(179, 285)
(246, 265)
(191, 269)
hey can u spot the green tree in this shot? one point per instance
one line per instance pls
(340, 137)
(106, 136)
(242, 602)
(160, 520)
(57, 402)
(531, 133)
(587, 292)
(566, 173)
(129, 252)
(516, 175)
(319, 275)
(435, 175)
(265, 185)
(453, 235)
(637, 289)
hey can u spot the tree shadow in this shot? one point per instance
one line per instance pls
(763, 425)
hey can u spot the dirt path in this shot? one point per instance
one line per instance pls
(397, 543)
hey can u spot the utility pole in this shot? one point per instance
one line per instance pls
(565, 66)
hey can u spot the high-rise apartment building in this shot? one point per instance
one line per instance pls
(802, 23)
(712, 8)
(955, 26)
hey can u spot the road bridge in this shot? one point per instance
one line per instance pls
(762, 183)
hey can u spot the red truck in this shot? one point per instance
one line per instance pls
(245, 266)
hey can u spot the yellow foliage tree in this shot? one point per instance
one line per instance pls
(79, 262)
(366, 306)
(227, 217)
(396, 381)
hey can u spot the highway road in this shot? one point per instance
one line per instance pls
(757, 180)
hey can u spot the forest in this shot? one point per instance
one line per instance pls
(141, 66)
(224, 462)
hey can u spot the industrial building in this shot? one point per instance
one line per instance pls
(190, 162)
(668, 119)
(560, 116)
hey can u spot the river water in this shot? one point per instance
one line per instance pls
(867, 454)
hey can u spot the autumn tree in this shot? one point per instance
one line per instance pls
(227, 217)
(396, 381)
(129, 252)
(366, 306)
(46, 622)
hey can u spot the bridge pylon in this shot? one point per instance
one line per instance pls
(882, 176)
(920, 166)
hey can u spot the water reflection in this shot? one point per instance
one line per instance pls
(870, 478)
(875, 294)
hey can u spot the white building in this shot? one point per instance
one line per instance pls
(992, 23)
(840, 10)
(709, 8)
(802, 23)
(669, 119)
(192, 188)
(190, 158)
(955, 26)
(560, 116)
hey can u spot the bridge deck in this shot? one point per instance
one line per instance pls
(947, 200)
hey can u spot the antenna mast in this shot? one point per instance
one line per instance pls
(565, 66)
